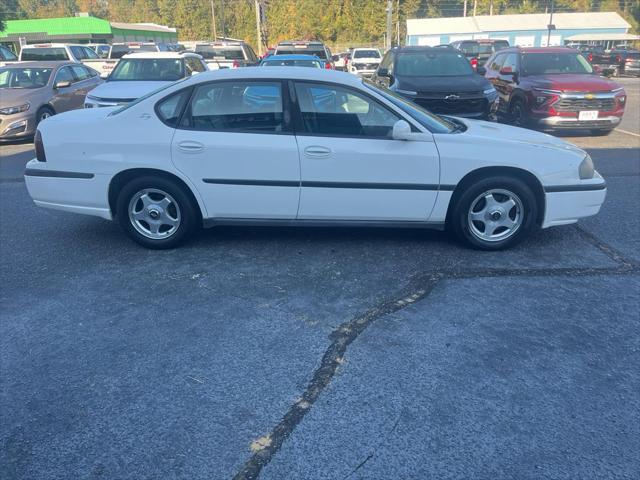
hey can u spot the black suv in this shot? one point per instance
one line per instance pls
(439, 79)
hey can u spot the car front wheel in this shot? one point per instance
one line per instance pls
(495, 213)
(156, 212)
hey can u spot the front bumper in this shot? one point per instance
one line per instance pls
(566, 204)
(78, 192)
(572, 123)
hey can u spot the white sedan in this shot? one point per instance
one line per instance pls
(299, 146)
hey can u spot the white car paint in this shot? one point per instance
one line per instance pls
(356, 64)
(101, 145)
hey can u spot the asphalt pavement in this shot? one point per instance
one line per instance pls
(302, 353)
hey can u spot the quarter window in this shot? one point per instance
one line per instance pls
(251, 107)
(170, 108)
(336, 111)
(496, 65)
(511, 62)
(80, 72)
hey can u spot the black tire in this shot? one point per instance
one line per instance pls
(601, 133)
(518, 114)
(459, 221)
(42, 113)
(187, 211)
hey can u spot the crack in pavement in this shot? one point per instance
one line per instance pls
(418, 288)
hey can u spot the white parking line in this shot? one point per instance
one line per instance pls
(628, 133)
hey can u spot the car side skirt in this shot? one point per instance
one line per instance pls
(213, 222)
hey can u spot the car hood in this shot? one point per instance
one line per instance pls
(572, 82)
(506, 133)
(12, 97)
(457, 84)
(123, 90)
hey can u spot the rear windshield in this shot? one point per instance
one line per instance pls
(302, 50)
(148, 69)
(366, 54)
(24, 77)
(470, 48)
(119, 51)
(6, 54)
(431, 64)
(558, 63)
(220, 53)
(44, 54)
(485, 48)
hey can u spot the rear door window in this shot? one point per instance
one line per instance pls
(44, 54)
(249, 106)
(80, 72)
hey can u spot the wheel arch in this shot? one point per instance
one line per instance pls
(125, 176)
(485, 172)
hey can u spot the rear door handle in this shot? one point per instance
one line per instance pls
(316, 151)
(189, 146)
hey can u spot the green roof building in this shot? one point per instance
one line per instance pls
(84, 29)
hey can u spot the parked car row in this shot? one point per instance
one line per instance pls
(616, 62)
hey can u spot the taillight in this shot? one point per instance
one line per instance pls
(37, 141)
(618, 58)
(590, 57)
(235, 64)
(328, 66)
(628, 60)
(474, 62)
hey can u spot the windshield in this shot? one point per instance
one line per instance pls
(220, 53)
(431, 122)
(144, 97)
(432, 64)
(44, 54)
(366, 54)
(148, 69)
(554, 63)
(274, 62)
(24, 77)
(302, 50)
(6, 54)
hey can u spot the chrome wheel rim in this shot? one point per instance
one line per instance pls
(43, 116)
(154, 213)
(495, 215)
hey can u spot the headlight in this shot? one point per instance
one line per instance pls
(586, 169)
(13, 110)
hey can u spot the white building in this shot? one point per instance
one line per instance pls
(526, 30)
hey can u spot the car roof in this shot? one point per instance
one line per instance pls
(538, 50)
(300, 42)
(52, 45)
(150, 55)
(44, 64)
(278, 73)
(424, 48)
(291, 57)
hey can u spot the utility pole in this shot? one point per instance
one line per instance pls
(213, 21)
(551, 26)
(475, 7)
(464, 13)
(224, 27)
(490, 7)
(259, 27)
(389, 38)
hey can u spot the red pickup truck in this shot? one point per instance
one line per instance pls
(554, 88)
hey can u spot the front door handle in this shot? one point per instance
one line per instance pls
(316, 151)
(189, 146)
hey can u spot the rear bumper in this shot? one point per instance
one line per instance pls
(77, 192)
(568, 203)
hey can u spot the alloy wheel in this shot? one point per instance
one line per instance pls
(154, 213)
(495, 215)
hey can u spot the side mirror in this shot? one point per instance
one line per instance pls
(401, 130)
(62, 84)
(481, 71)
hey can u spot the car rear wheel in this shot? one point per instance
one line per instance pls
(43, 113)
(495, 213)
(156, 212)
